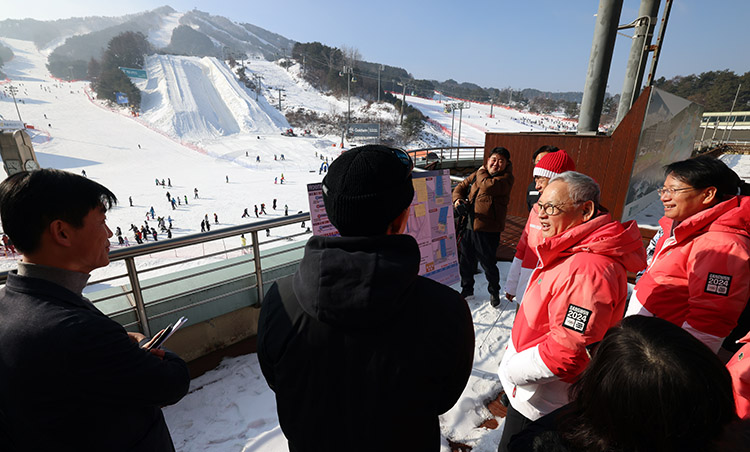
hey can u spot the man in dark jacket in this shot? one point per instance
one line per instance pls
(70, 377)
(362, 352)
(486, 192)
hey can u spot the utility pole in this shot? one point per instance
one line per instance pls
(380, 69)
(403, 101)
(348, 73)
(13, 90)
(280, 90)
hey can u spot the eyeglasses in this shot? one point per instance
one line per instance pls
(671, 191)
(552, 209)
(404, 158)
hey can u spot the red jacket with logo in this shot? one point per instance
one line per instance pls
(699, 277)
(575, 295)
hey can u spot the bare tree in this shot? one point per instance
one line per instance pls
(351, 56)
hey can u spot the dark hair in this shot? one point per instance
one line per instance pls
(705, 171)
(30, 201)
(545, 148)
(502, 151)
(649, 386)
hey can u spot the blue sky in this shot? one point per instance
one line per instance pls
(522, 44)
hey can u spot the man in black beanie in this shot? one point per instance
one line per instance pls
(362, 352)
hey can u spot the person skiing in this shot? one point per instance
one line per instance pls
(256, 211)
(203, 225)
(169, 182)
(286, 210)
(130, 198)
(274, 203)
(196, 195)
(195, 192)
(245, 214)
(216, 218)
(263, 208)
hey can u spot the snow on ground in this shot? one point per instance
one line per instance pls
(161, 37)
(193, 98)
(231, 408)
(475, 121)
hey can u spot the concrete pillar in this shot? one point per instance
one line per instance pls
(605, 31)
(644, 30)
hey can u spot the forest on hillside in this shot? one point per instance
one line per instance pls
(714, 90)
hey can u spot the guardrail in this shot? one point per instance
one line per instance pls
(462, 154)
(130, 282)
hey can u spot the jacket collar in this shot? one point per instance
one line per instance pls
(731, 215)
(43, 288)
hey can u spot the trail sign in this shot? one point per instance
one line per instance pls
(364, 130)
(134, 73)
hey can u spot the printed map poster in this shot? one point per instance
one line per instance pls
(430, 223)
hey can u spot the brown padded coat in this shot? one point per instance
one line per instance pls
(490, 195)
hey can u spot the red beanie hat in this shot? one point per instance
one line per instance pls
(553, 164)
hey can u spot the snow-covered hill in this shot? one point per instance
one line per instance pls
(193, 98)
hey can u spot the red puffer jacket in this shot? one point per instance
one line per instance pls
(575, 295)
(699, 277)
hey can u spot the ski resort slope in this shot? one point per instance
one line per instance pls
(478, 119)
(198, 98)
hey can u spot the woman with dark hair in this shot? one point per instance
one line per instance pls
(650, 386)
(699, 277)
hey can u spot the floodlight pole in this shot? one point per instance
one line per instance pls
(13, 90)
(380, 69)
(348, 73)
(403, 101)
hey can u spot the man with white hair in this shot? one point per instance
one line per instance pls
(576, 293)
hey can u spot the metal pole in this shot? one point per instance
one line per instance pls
(379, 70)
(731, 111)
(13, 90)
(705, 128)
(460, 116)
(645, 24)
(659, 40)
(453, 120)
(135, 285)
(605, 31)
(258, 269)
(348, 96)
(403, 101)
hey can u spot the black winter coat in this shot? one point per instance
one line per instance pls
(363, 353)
(71, 379)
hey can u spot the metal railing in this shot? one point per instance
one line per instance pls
(462, 154)
(131, 282)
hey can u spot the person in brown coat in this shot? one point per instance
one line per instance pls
(485, 195)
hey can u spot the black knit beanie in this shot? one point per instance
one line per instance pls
(365, 189)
